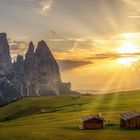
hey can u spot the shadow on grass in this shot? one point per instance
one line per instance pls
(28, 112)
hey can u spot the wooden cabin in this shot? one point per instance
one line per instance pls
(92, 122)
(130, 120)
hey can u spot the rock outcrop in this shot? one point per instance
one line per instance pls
(35, 75)
(5, 58)
(8, 89)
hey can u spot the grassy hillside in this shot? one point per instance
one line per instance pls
(57, 118)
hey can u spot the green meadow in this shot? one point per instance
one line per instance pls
(57, 118)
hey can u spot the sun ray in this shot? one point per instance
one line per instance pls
(107, 86)
(115, 99)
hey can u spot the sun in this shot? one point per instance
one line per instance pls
(128, 47)
(127, 60)
(128, 50)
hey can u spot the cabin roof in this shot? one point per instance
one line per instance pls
(83, 119)
(129, 115)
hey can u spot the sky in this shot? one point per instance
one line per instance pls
(83, 35)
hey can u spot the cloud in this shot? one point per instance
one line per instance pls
(46, 6)
(41, 6)
(131, 2)
(52, 32)
(133, 6)
(67, 44)
(70, 64)
(78, 47)
(17, 47)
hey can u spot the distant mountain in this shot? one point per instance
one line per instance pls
(35, 75)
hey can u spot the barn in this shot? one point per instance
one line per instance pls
(92, 122)
(130, 120)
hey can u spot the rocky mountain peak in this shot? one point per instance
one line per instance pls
(4, 43)
(44, 55)
(5, 58)
(43, 49)
(3, 35)
(30, 51)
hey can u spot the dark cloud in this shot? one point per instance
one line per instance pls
(70, 64)
(52, 32)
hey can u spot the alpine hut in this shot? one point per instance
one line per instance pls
(92, 122)
(130, 120)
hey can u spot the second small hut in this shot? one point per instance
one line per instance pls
(130, 120)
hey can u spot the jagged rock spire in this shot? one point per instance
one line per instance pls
(30, 51)
(44, 57)
(5, 58)
(44, 50)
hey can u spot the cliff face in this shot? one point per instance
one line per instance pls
(5, 58)
(38, 72)
(35, 75)
(8, 89)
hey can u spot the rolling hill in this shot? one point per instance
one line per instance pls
(57, 118)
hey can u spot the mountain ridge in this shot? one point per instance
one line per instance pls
(35, 75)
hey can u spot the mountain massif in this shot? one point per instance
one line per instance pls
(35, 75)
